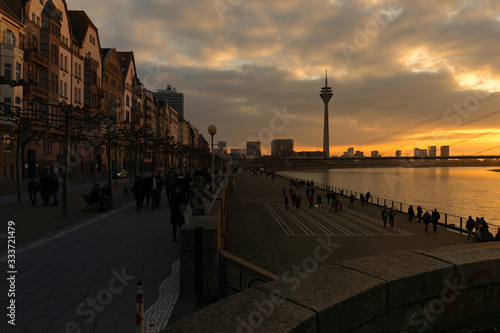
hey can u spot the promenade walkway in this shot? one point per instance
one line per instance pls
(294, 233)
(80, 273)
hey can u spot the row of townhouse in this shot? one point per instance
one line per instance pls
(53, 69)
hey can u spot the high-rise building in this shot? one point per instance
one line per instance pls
(175, 98)
(282, 147)
(432, 151)
(445, 151)
(398, 153)
(374, 153)
(253, 149)
(419, 152)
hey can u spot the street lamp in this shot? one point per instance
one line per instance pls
(212, 130)
(7, 140)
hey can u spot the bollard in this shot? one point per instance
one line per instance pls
(139, 307)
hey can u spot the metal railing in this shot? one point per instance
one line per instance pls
(451, 221)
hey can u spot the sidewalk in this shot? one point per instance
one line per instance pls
(35, 221)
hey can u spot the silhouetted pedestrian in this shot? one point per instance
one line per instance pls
(177, 206)
(435, 219)
(427, 220)
(286, 202)
(385, 214)
(470, 227)
(411, 213)
(419, 213)
(392, 216)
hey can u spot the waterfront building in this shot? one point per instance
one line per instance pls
(175, 98)
(253, 149)
(419, 152)
(445, 151)
(282, 147)
(431, 151)
(359, 153)
(309, 154)
(398, 153)
(374, 153)
(349, 152)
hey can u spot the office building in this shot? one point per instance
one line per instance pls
(445, 151)
(282, 147)
(253, 149)
(175, 98)
(431, 151)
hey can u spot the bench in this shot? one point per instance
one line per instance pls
(86, 197)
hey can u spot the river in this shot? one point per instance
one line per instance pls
(460, 191)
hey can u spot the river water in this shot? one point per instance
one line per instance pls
(460, 191)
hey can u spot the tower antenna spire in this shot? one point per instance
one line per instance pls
(326, 78)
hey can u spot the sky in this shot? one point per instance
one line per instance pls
(255, 68)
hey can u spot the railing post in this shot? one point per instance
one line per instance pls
(460, 225)
(446, 220)
(401, 207)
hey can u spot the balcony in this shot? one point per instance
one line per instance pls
(32, 56)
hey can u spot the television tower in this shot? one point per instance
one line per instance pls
(326, 95)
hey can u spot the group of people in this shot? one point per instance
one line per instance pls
(101, 196)
(47, 185)
(181, 192)
(426, 217)
(478, 231)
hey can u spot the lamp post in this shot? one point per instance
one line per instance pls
(212, 130)
(6, 171)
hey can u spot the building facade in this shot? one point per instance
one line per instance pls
(282, 147)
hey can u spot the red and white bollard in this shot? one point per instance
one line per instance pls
(139, 307)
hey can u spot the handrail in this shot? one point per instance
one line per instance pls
(386, 202)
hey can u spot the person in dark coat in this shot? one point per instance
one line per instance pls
(177, 205)
(139, 192)
(470, 228)
(33, 188)
(45, 189)
(427, 220)
(392, 216)
(385, 214)
(198, 197)
(419, 213)
(54, 188)
(435, 219)
(286, 202)
(411, 213)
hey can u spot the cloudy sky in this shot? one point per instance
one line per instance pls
(255, 68)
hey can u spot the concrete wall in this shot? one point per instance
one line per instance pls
(410, 291)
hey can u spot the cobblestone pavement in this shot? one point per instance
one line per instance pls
(84, 276)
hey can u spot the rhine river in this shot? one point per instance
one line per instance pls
(460, 191)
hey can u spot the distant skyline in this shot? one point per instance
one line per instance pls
(255, 68)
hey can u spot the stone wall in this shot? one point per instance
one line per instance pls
(411, 291)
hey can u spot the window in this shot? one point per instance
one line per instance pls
(44, 79)
(66, 89)
(53, 82)
(41, 2)
(45, 50)
(80, 71)
(8, 71)
(61, 90)
(87, 76)
(38, 20)
(33, 18)
(128, 100)
(31, 43)
(47, 146)
(9, 38)
(66, 63)
(53, 54)
(62, 60)
(19, 71)
(18, 100)
(32, 73)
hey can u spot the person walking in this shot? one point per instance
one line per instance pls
(328, 197)
(435, 219)
(177, 206)
(138, 191)
(427, 220)
(286, 202)
(54, 188)
(311, 201)
(385, 214)
(470, 227)
(351, 201)
(411, 213)
(45, 188)
(154, 186)
(367, 197)
(284, 190)
(392, 216)
(319, 200)
(33, 188)
(362, 199)
(419, 213)
(297, 202)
